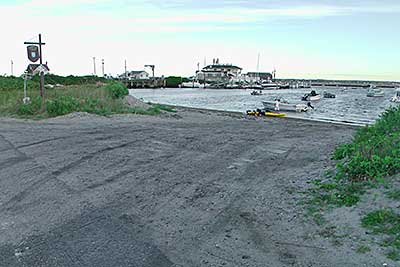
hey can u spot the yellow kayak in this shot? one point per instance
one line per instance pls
(274, 114)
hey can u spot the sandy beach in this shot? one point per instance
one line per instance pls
(192, 188)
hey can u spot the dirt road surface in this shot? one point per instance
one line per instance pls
(191, 189)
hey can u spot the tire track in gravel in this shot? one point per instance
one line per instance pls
(53, 175)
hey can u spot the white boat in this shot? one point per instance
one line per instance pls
(270, 105)
(269, 85)
(313, 96)
(191, 84)
(253, 86)
(396, 97)
(232, 86)
(375, 92)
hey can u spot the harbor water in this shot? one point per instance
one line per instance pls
(351, 105)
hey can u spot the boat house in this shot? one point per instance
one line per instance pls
(218, 72)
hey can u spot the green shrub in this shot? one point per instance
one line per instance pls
(31, 108)
(70, 80)
(375, 150)
(61, 106)
(117, 89)
(16, 83)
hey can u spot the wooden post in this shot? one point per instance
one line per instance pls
(42, 92)
(41, 73)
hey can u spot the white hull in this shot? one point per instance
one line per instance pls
(312, 98)
(270, 86)
(374, 92)
(190, 85)
(395, 99)
(270, 105)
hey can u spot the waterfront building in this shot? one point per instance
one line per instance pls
(135, 75)
(218, 72)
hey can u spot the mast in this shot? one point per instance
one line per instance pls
(258, 66)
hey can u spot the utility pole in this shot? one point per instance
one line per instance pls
(94, 66)
(12, 68)
(126, 74)
(102, 66)
(41, 62)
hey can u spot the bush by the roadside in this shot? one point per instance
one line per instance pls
(32, 108)
(117, 89)
(61, 106)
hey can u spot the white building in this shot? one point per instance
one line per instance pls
(218, 72)
(135, 75)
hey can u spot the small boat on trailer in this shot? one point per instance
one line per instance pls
(271, 106)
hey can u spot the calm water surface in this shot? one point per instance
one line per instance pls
(350, 105)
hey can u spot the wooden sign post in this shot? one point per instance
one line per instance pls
(33, 57)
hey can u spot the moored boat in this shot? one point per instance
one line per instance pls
(396, 97)
(375, 92)
(269, 85)
(329, 95)
(191, 84)
(256, 92)
(271, 105)
(313, 96)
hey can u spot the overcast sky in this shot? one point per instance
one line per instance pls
(336, 39)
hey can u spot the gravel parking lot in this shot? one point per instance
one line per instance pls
(184, 189)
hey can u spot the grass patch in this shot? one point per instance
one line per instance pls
(363, 249)
(165, 107)
(394, 194)
(385, 222)
(105, 99)
(394, 255)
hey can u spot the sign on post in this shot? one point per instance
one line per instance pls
(33, 53)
